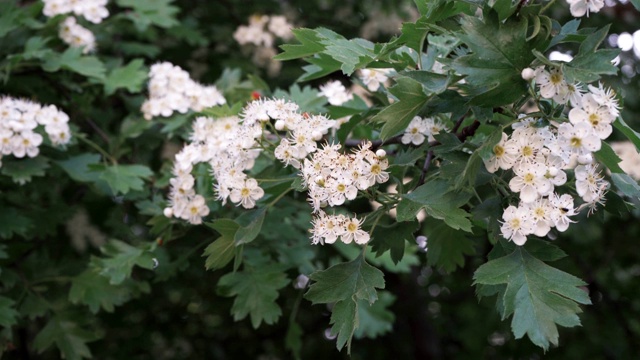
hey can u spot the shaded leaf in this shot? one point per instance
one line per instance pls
(447, 247)
(539, 297)
(131, 77)
(220, 252)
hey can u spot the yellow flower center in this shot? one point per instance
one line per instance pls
(498, 150)
(594, 119)
(341, 187)
(576, 142)
(529, 178)
(352, 227)
(375, 169)
(527, 151)
(515, 223)
(556, 78)
(245, 192)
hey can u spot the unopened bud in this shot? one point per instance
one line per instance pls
(280, 125)
(301, 281)
(553, 171)
(168, 212)
(528, 74)
(317, 135)
(421, 240)
(381, 153)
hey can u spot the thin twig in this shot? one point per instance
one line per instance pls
(99, 131)
(425, 167)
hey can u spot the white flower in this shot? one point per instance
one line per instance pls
(578, 139)
(247, 194)
(524, 146)
(530, 181)
(606, 98)
(75, 35)
(589, 182)
(415, 132)
(195, 210)
(551, 83)
(562, 208)
(373, 78)
(26, 143)
(279, 26)
(352, 232)
(500, 158)
(287, 154)
(540, 214)
(335, 93)
(594, 114)
(517, 224)
(579, 8)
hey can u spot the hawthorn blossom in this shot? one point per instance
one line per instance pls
(579, 8)
(415, 132)
(500, 158)
(594, 114)
(530, 181)
(589, 182)
(335, 93)
(373, 78)
(517, 224)
(353, 232)
(552, 84)
(562, 208)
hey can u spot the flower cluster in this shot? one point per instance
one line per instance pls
(228, 145)
(258, 39)
(172, 89)
(539, 155)
(328, 228)
(263, 30)
(77, 35)
(93, 10)
(19, 122)
(333, 177)
(419, 128)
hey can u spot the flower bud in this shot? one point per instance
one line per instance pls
(528, 74)
(279, 125)
(168, 212)
(553, 171)
(421, 240)
(301, 281)
(381, 153)
(317, 135)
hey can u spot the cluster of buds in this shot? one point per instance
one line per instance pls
(539, 155)
(19, 124)
(172, 89)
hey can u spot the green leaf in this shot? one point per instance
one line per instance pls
(22, 170)
(352, 280)
(131, 77)
(626, 184)
(432, 83)
(250, 226)
(307, 98)
(123, 178)
(589, 64)
(468, 175)
(120, 260)
(397, 116)
(500, 52)
(151, 12)
(631, 134)
(8, 314)
(355, 53)
(393, 237)
(73, 60)
(539, 297)
(13, 223)
(220, 252)
(345, 320)
(636, 4)
(609, 158)
(70, 339)
(78, 167)
(440, 202)
(256, 291)
(10, 16)
(95, 291)
(309, 45)
(375, 320)
(447, 247)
